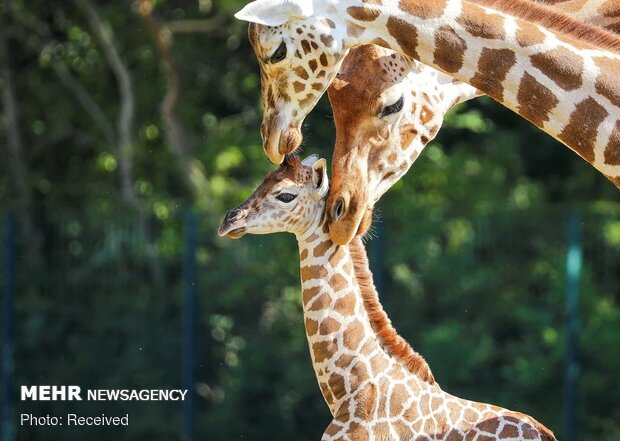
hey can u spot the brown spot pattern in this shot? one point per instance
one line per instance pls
(310, 293)
(493, 66)
(305, 45)
(301, 73)
(580, 132)
(491, 26)
(337, 256)
(612, 151)
(426, 114)
(454, 435)
(345, 305)
(307, 100)
(529, 34)
(406, 36)
(322, 302)
(424, 10)
(322, 248)
(338, 283)
(336, 384)
(298, 87)
(509, 431)
(378, 363)
(310, 272)
(365, 398)
(344, 361)
(470, 415)
(327, 40)
(312, 327)
(322, 350)
(358, 433)
(607, 83)
(490, 425)
(613, 28)
(329, 326)
(329, 22)
(610, 8)
(397, 399)
(530, 433)
(353, 335)
(333, 428)
(449, 49)
(362, 14)
(535, 101)
(381, 430)
(561, 65)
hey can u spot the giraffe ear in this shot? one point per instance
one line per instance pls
(320, 180)
(275, 12)
(310, 160)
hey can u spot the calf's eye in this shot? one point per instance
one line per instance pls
(286, 197)
(393, 108)
(279, 54)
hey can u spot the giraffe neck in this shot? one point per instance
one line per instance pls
(351, 340)
(557, 76)
(371, 382)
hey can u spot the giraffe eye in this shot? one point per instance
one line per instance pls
(286, 197)
(393, 108)
(279, 54)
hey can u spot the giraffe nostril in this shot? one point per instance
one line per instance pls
(232, 215)
(338, 209)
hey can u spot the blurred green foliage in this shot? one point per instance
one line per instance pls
(469, 247)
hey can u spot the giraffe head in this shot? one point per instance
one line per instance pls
(387, 107)
(298, 56)
(291, 199)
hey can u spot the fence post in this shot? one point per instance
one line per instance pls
(6, 397)
(573, 274)
(189, 327)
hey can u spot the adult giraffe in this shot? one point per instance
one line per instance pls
(376, 386)
(561, 74)
(374, 150)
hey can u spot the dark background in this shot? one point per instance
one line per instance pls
(129, 128)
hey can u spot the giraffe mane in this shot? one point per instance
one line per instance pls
(555, 21)
(390, 341)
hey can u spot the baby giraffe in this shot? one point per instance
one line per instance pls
(376, 386)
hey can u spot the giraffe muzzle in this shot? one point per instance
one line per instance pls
(277, 143)
(233, 225)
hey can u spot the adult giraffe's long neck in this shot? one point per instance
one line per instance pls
(562, 75)
(351, 340)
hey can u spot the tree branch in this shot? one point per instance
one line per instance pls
(103, 33)
(124, 124)
(175, 132)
